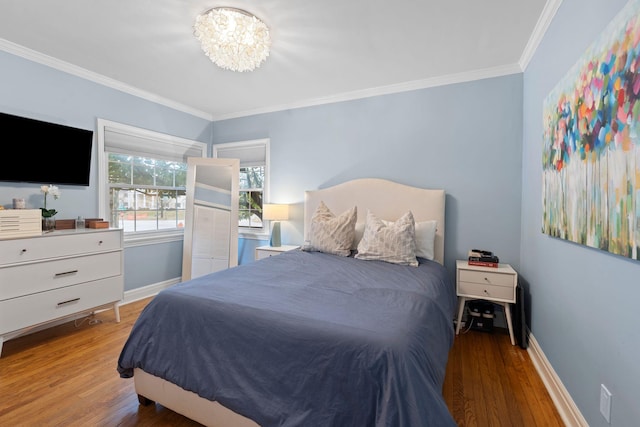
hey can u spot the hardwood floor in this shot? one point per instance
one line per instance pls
(490, 382)
(66, 376)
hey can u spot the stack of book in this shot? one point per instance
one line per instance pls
(483, 258)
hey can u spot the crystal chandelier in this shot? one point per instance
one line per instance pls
(232, 38)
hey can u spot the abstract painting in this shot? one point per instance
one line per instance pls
(591, 153)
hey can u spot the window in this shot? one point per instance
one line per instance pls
(143, 179)
(254, 178)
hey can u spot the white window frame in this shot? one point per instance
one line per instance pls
(246, 232)
(164, 140)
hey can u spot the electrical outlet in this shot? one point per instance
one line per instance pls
(605, 403)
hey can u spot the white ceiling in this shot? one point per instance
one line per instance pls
(323, 50)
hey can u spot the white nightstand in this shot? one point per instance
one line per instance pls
(267, 251)
(493, 284)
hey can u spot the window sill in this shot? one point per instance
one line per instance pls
(152, 238)
(253, 235)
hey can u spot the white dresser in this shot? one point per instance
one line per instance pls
(57, 275)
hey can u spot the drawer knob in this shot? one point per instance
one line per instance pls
(486, 279)
(23, 251)
(100, 242)
(485, 291)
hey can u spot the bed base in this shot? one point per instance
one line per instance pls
(154, 389)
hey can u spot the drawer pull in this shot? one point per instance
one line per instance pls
(100, 242)
(66, 273)
(23, 251)
(60, 304)
(486, 292)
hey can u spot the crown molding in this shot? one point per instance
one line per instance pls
(548, 13)
(66, 67)
(480, 74)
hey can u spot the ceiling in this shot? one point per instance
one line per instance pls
(322, 51)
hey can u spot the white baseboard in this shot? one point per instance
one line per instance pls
(567, 408)
(147, 291)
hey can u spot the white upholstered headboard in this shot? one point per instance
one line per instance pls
(387, 199)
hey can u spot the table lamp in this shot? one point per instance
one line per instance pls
(276, 213)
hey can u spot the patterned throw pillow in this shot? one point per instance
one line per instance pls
(425, 238)
(392, 242)
(330, 233)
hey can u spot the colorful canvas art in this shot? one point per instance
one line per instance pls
(591, 154)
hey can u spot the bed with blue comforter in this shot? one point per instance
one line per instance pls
(306, 339)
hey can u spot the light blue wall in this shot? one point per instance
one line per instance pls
(40, 92)
(584, 301)
(480, 141)
(465, 138)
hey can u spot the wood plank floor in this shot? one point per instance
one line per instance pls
(66, 376)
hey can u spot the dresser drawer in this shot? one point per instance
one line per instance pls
(53, 246)
(25, 279)
(480, 290)
(486, 277)
(18, 313)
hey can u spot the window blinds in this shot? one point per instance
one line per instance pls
(141, 144)
(254, 154)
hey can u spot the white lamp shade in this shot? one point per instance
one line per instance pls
(275, 212)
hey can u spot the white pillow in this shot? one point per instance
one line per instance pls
(359, 233)
(425, 239)
(392, 242)
(330, 233)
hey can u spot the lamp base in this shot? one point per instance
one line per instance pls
(275, 235)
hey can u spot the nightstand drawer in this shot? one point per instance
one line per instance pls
(260, 254)
(486, 277)
(263, 252)
(480, 290)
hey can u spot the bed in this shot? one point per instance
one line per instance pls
(312, 337)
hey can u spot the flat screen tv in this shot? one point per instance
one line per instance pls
(35, 151)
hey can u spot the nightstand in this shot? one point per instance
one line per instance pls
(267, 251)
(495, 284)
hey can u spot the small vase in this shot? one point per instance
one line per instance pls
(48, 223)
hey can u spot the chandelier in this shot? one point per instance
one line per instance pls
(232, 38)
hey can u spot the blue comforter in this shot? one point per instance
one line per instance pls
(306, 339)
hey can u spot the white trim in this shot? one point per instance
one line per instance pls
(66, 67)
(143, 292)
(263, 233)
(547, 15)
(143, 239)
(136, 239)
(541, 27)
(253, 142)
(567, 408)
(480, 74)
(83, 73)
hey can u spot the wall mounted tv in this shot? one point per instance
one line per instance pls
(40, 152)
